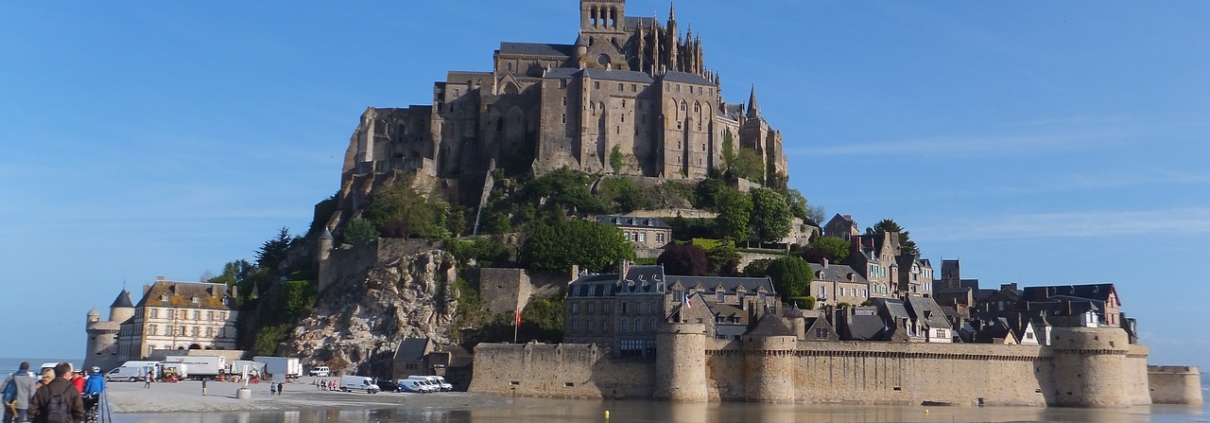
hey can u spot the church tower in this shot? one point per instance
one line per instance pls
(603, 29)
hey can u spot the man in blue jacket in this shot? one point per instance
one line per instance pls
(93, 386)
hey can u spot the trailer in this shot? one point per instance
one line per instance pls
(254, 368)
(288, 367)
(200, 367)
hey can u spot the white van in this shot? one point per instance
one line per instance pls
(413, 385)
(425, 382)
(131, 374)
(320, 371)
(440, 383)
(358, 383)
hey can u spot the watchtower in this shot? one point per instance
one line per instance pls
(680, 362)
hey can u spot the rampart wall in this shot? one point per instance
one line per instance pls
(1175, 385)
(1087, 372)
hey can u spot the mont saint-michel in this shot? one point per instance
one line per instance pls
(592, 219)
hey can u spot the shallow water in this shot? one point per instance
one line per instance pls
(541, 410)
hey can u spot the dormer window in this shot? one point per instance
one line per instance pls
(164, 298)
(195, 300)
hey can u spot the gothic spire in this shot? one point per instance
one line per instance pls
(671, 11)
(753, 106)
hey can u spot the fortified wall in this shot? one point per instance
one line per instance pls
(1084, 368)
(1175, 385)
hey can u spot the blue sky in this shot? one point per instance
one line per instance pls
(1040, 142)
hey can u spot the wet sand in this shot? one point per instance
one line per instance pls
(130, 397)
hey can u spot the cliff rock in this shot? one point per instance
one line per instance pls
(359, 322)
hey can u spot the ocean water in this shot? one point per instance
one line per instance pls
(10, 365)
(550, 411)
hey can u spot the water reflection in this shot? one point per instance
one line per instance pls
(537, 410)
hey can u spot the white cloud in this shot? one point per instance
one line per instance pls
(1078, 224)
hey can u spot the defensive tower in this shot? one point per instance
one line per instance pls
(680, 362)
(102, 346)
(1089, 367)
(769, 361)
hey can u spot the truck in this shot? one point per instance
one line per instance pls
(290, 367)
(199, 367)
(358, 383)
(254, 368)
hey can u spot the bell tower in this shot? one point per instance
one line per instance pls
(602, 16)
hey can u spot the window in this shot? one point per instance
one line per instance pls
(654, 307)
(155, 313)
(596, 85)
(722, 295)
(634, 88)
(575, 308)
(564, 100)
(638, 325)
(184, 314)
(823, 292)
(621, 87)
(653, 326)
(575, 325)
(209, 332)
(592, 326)
(152, 329)
(605, 327)
(564, 118)
(605, 307)
(821, 333)
(592, 307)
(643, 237)
(638, 308)
(622, 326)
(182, 332)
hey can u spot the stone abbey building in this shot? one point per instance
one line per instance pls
(631, 95)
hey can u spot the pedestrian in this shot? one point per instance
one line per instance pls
(23, 387)
(77, 380)
(279, 388)
(93, 387)
(47, 376)
(147, 381)
(57, 401)
(272, 388)
(203, 387)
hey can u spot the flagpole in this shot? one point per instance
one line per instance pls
(516, 326)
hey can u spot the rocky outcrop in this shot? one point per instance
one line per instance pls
(360, 321)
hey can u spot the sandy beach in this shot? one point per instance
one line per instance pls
(130, 397)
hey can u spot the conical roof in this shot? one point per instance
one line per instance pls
(123, 300)
(753, 106)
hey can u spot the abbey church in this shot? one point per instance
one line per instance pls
(630, 96)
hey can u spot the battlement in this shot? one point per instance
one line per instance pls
(1175, 384)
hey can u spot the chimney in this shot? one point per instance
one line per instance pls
(575, 272)
(159, 278)
(825, 262)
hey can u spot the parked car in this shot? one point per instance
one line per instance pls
(320, 371)
(387, 385)
(414, 386)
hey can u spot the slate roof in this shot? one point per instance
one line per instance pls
(837, 273)
(996, 328)
(633, 222)
(729, 284)
(926, 310)
(866, 328)
(731, 111)
(686, 78)
(895, 308)
(123, 300)
(561, 73)
(412, 349)
(633, 22)
(771, 325)
(563, 51)
(180, 294)
(1099, 292)
(730, 330)
(657, 282)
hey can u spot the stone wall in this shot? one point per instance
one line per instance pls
(559, 371)
(506, 290)
(826, 372)
(1175, 385)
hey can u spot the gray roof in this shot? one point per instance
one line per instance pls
(633, 22)
(412, 349)
(561, 73)
(730, 330)
(729, 284)
(837, 273)
(686, 78)
(895, 308)
(731, 111)
(772, 325)
(538, 49)
(1099, 292)
(123, 300)
(866, 328)
(926, 310)
(631, 221)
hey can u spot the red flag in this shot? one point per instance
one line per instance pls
(518, 317)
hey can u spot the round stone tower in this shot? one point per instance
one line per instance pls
(122, 308)
(1090, 367)
(322, 252)
(680, 362)
(769, 367)
(102, 346)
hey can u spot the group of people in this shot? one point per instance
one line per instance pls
(61, 395)
(325, 385)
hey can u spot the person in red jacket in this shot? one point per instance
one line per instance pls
(77, 380)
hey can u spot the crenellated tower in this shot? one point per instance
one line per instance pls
(680, 363)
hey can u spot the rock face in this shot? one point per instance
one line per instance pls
(362, 320)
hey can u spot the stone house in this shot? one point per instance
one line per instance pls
(833, 284)
(915, 276)
(843, 227)
(643, 232)
(930, 319)
(1103, 296)
(180, 316)
(623, 311)
(411, 358)
(874, 257)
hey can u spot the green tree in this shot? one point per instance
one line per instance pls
(728, 150)
(906, 245)
(758, 268)
(770, 217)
(722, 259)
(592, 246)
(791, 277)
(622, 195)
(234, 273)
(615, 160)
(735, 212)
(709, 192)
(400, 212)
(835, 249)
(798, 206)
(689, 260)
(749, 165)
(273, 251)
(359, 229)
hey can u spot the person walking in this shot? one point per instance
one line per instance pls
(23, 387)
(147, 381)
(94, 385)
(57, 401)
(279, 388)
(47, 376)
(203, 387)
